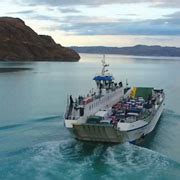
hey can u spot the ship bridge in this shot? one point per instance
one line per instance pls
(104, 80)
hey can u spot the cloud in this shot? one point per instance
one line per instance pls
(22, 12)
(71, 20)
(44, 18)
(167, 3)
(173, 15)
(131, 14)
(80, 2)
(85, 25)
(155, 3)
(31, 14)
(90, 19)
(69, 10)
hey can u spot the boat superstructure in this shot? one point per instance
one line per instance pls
(113, 113)
(106, 94)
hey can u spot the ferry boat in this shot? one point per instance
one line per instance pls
(113, 113)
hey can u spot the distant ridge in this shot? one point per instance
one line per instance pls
(139, 50)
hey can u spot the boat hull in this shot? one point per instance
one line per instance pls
(110, 134)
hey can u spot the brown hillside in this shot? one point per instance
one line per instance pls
(20, 42)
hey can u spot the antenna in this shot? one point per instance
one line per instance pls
(127, 83)
(104, 65)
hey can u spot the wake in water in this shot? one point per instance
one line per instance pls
(69, 159)
(46, 118)
(10, 126)
(28, 122)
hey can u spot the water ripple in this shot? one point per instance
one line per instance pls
(40, 119)
(10, 126)
(70, 159)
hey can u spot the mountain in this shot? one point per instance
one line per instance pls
(19, 42)
(139, 50)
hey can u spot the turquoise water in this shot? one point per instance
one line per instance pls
(35, 145)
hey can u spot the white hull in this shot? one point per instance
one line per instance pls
(96, 133)
(141, 132)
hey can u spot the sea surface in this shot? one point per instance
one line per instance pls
(35, 145)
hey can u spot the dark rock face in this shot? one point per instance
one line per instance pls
(20, 42)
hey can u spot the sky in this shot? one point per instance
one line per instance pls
(117, 23)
